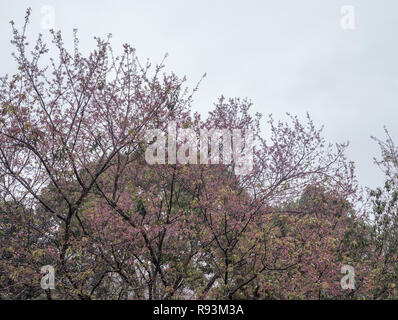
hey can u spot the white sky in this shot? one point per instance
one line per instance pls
(285, 55)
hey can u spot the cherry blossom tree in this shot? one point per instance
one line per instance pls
(78, 193)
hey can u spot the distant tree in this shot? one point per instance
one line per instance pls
(384, 214)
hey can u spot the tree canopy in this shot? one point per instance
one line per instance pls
(77, 193)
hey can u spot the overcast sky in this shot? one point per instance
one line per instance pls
(285, 55)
